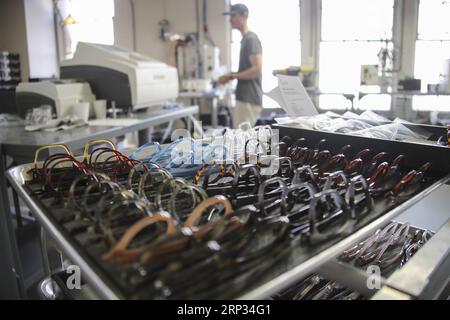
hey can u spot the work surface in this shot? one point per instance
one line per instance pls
(18, 141)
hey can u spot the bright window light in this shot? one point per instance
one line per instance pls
(279, 35)
(429, 63)
(433, 43)
(431, 103)
(381, 102)
(434, 22)
(340, 64)
(94, 21)
(353, 34)
(334, 102)
(357, 19)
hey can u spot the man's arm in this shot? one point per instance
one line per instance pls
(254, 71)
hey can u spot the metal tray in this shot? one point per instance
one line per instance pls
(354, 277)
(101, 285)
(417, 153)
(307, 261)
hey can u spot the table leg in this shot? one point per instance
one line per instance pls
(17, 209)
(214, 113)
(49, 291)
(188, 124)
(143, 136)
(11, 278)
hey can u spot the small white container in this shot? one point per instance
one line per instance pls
(100, 109)
(81, 110)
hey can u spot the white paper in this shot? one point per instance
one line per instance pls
(53, 125)
(66, 127)
(292, 97)
(284, 120)
(332, 114)
(275, 94)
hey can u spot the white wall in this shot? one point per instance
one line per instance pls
(182, 19)
(123, 24)
(220, 28)
(41, 39)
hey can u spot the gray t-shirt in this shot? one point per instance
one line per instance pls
(249, 90)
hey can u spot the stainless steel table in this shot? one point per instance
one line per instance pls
(21, 145)
(18, 143)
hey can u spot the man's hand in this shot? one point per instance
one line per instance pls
(253, 72)
(225, 78)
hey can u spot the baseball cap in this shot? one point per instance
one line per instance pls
(237, 8)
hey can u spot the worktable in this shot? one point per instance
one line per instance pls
(21, 146)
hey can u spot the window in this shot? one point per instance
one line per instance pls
(278, 28)
(334, 101)
(353, 34)
(380, 102)
(432, 49)
(434, 22)
(340, 64)
(429, 63)
(93, 21)
(357, 19)
(431, 103)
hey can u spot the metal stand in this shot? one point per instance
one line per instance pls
(10, 268)
(48, 287)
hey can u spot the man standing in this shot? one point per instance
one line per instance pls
(248, 91)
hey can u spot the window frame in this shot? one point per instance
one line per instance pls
(417, 102)
(357, 90)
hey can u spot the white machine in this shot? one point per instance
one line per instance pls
(211, 61)
(61, 95)
(444, 85)
(128, 78)
(369, 75)
(198, 67)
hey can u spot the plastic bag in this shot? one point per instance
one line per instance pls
(332, 114)
(40, 115)
(350, 115)
(370, 115)
(391, 131)
(352, 125)
(10, 120)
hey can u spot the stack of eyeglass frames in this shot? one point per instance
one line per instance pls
(185, 156)
(232, 227)
(387, 250)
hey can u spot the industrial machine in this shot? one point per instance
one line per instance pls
(60, 94)
(128, 78)
(198, 64)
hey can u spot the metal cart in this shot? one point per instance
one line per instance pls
(425, 276)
